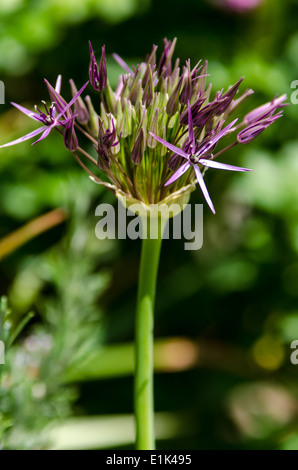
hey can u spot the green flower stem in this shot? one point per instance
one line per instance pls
(144, 400)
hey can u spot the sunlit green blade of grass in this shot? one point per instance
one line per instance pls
(170, 354)
(98, 432)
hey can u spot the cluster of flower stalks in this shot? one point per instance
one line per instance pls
(155, 136)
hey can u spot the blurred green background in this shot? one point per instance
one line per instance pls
(225, 315)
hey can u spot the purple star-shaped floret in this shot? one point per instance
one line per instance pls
(198, 154)
(49, 118)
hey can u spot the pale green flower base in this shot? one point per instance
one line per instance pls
(175, 201)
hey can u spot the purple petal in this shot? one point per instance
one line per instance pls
(228, 97)
(178, 173)
(72, 100)
(26, 111)
(267, 107)
(25, 137)
(58, 84)
(91, 49)
(119, 88)
(216, 138)
(80, 108)
(221, 166)
(66, 121)
(58, 90)
(122, 63)
(70, 138)
(223, 132)
(203, 187)
(103, 69)
(248, 134)
(97, 74)
(171, 147)
(190, 127)
(44, 135)
(55, 97)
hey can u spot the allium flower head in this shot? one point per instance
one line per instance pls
(157, 133)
